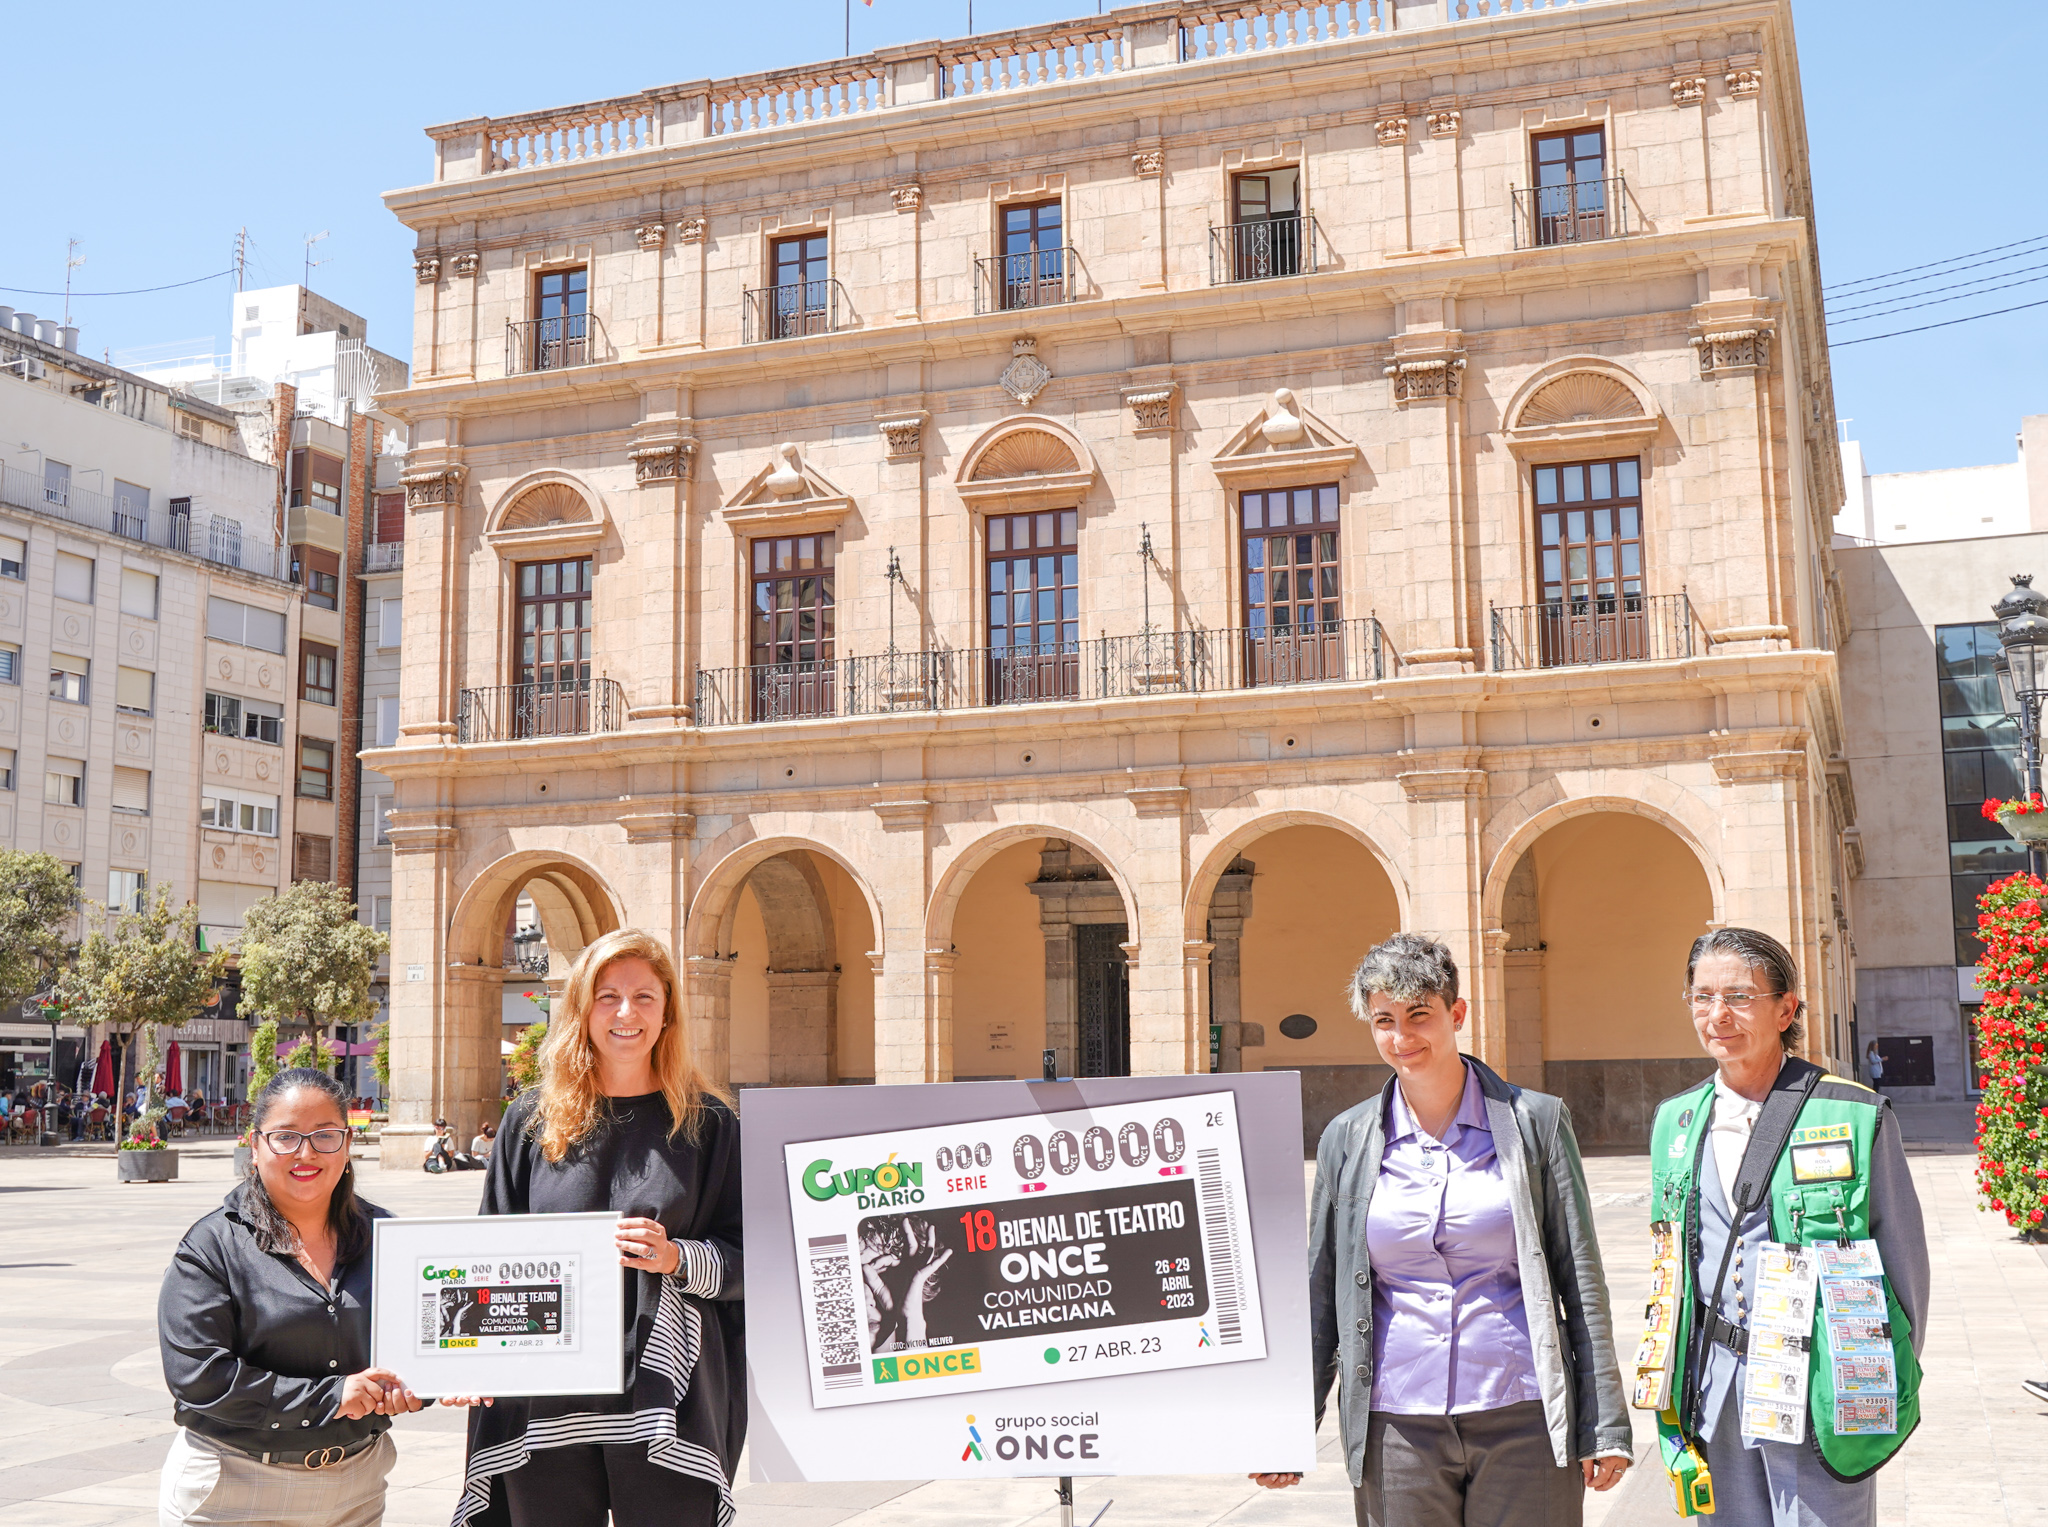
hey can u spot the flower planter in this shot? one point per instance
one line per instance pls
(148, 1166)
(242, 1153)
(2027, 826)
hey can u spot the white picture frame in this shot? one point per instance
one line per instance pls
(499, 1304)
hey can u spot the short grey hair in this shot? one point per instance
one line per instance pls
(1409, 967)
(1769, 961)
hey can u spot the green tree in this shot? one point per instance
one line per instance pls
(262, 1056)
(138, 973)
(381, 1061)
(524, 1061)
(306, 959)
(37, 898)
(314, 1054)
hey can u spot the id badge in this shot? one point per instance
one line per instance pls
(1823, 1153)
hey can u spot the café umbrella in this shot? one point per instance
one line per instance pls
(174, 1078)
(103, 1071)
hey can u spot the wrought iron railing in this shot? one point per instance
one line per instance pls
(1579, 213)
(1042, 278)
(510, 712)
(1610, 628)
(1102, 668)
(172, 530)
(1262, 250)
(553, 344)
(792, 310)
(383, 556)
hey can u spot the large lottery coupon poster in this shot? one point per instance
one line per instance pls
(1010, 1252)
(962, 1280)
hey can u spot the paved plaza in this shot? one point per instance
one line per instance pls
(85, 1420)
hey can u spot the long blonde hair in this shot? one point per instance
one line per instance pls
(571, 1106)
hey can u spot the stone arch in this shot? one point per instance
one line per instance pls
(1023, 448)
(953, 880)
(708, 924)
(1554, 394)
(1216, 862)
(575, 903)
(547, 500)
(1500, 868)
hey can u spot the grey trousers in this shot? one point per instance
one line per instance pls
(1486, 1468)
(1778, 1485)
(207, 1485)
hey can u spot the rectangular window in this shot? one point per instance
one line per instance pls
(387, 721)
(320, 573)
(800, 299)
(554, 651)
(1589, 537)
(263, 721)
(74, 578)
(126, 890)
(191, 426)
(223, 714)
(138, 593)
(135, 690)
(561, 327)
(1265, 225)
(1980, 748)
(232, 811)
(64, 782)
(1570, 197)
(13, 557)
(131, 790)
(131, 510)
(246, 625)
(70, 678)
(792, 631)
(312, 857)
(381, 913)
(56, 483)
(380, 811)
(1034, 606)
(316, 481)
(316, 769)
(1973, 1061)
(6, 768)
(390, 621)
(390, 524)
(1293, 585)
(1034, 258)
(10, 663)
(316, 674)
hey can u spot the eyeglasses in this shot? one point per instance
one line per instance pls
(286, 1142)
(1738, 1002)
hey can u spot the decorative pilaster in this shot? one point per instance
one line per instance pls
(905, 434)
(659, 461)
(426, 269)
(435, 486)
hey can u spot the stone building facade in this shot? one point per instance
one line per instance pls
(1061, 541)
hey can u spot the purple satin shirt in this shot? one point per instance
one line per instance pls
(1449, 1331)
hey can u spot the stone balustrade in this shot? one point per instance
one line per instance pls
(1166, 34)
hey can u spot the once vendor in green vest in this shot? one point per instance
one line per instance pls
(1789, 1295)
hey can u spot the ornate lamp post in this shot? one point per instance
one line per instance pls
(2022, 671)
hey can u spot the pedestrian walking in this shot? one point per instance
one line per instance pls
(264, 1325)
(1455, 1290)
(623, 1120)
(1792, 1270)
(1873, 1062)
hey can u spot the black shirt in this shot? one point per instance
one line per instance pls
(256, 1352)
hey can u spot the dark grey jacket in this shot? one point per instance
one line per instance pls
(1563, 1290)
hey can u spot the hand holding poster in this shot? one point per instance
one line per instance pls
(1027, 1278)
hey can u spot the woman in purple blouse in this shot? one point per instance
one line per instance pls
(1455, 1289)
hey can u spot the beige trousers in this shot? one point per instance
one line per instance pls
(207, 1485)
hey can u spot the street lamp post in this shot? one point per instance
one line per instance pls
(2022, 670)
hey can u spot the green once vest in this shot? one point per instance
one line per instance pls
(1805, 1214)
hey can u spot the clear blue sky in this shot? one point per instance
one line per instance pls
(157, 132)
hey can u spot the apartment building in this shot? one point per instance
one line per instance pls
(159, 721)
(1059, 541)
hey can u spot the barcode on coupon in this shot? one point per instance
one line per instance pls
(429, 1318)
(832, 1306)
(1219, 1239)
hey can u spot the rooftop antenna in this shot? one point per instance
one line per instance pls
(241, 256)
(72, 260)
(311, 263)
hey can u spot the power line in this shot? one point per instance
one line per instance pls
(140, 291)
(1934, 302)
(1909, 269)
(1882, 302)
(1956, 270)
(1840, 344)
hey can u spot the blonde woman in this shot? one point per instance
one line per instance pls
(623, 1120)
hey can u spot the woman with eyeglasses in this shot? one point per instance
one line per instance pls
(264, 1323)
(624, 1121)
(1789, 1296)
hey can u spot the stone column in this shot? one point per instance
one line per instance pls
(1164, 1041)
(1427, 377)
(1062, 998)
(1195, 955)
(803, 1028)
(1446, 793)
(708, 980)
(937, 1057)
(899, 869)
(1229, 907)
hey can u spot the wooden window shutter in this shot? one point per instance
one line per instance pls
(312, 857)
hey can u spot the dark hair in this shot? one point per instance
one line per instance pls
(346, 1216)
(1765, 957)
(1409, 967)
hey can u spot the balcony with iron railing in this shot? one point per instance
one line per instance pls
(1198, 661)
(792, 310)
(1606, 628)
(554, 344)
(219, 540)
(519, 712)
(384, 556)
(1039, 279)
(1262, 250)
(1582, 212)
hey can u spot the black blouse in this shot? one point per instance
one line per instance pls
(256, 1352)
(684, 1338)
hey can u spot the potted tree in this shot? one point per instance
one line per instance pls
(37, 901)
(136, 974)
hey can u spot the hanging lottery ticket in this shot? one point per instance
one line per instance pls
(1863, 1365)
(1025, 1251)
(1780, 1331)
(1654, 1354)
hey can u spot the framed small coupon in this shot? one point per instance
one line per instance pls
(501, 1304)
